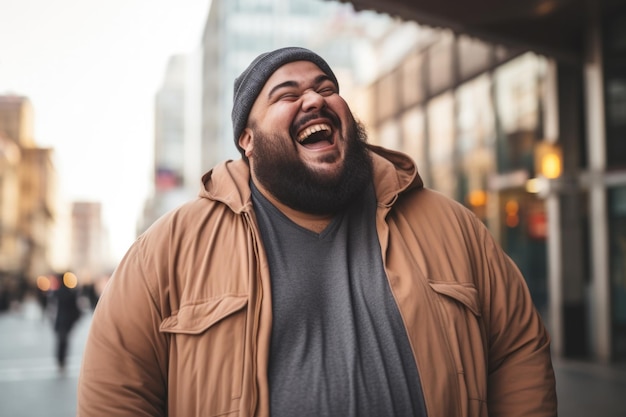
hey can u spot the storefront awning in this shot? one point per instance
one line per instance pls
(551, 27)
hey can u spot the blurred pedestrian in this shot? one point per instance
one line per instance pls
(315, 276)
(42, 300)
(67, 313)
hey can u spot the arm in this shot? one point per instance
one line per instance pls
(521, 379)
(124, 370)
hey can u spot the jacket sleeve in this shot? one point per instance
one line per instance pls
(125, 359)
(521, 379)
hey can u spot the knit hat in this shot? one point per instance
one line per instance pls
(251, 81)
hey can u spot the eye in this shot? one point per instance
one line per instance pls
(326, 91)
(288, 96)
(326, 88)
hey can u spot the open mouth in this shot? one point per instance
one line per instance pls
(316, 134)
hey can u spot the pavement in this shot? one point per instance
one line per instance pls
(31, 385)
(586, 389)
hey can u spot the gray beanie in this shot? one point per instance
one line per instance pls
(251, 81)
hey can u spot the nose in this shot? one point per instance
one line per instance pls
(312, 100)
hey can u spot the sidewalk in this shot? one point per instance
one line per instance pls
(590, 388)
(31, 384)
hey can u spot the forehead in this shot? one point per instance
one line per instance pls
(297, 71)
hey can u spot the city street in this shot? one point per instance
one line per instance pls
(30, 383)
(32, 386)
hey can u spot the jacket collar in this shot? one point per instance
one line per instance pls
(394, 173)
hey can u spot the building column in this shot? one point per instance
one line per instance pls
(598, 229)
(555, 274)
(567, 316)
(553, 213)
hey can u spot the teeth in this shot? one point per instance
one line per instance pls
(310, 130)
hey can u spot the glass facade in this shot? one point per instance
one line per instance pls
(441, 135)
(522, 219)
(615, 89)
(523, 233)
(615, 101)
(617, 238)
(475, 121)
(518, 110)
(472, 123)
(515, 137)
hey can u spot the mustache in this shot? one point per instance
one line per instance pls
(323, 114)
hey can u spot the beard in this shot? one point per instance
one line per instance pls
(280, 170)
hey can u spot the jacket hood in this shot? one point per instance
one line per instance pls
(394, 173)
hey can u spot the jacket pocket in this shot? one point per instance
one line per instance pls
(196, 318)
(207, 355)
(461, 316)
(466, 294)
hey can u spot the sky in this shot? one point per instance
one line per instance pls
(91, 69)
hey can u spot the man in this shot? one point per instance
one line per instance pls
(315, 276)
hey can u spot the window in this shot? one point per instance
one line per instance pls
(440, 114)
(518, 110)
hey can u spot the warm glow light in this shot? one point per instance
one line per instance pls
(548, 160)
(477, 198)
(546, 7)
(512, 221)
(43, 283)
(70, 280)
(533, 185)
(551, 166)
(511, 209)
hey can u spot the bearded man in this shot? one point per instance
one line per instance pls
(315, 276)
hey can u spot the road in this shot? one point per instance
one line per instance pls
(30, 383)
(32, 386)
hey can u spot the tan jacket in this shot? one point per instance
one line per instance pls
(183, 327)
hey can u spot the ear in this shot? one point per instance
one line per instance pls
(246, 142)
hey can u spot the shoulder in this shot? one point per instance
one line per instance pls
(435, 206)
(190, 217)
(441, 227)
(183, 234)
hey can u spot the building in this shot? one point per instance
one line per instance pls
(37, 211)
(172, 142)
(10, 248)
(169, 131)
(471, 114)
(27, 193)
(17, 119)
(89, 252)
(555, 174)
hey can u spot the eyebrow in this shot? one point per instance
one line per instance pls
(318, 80)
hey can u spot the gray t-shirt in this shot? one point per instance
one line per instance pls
(339, 346)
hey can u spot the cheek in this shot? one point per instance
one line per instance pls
(281, 115)
(338, 103)
(341, 109)
(272, 117)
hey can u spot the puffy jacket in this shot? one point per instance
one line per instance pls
(183, 326)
